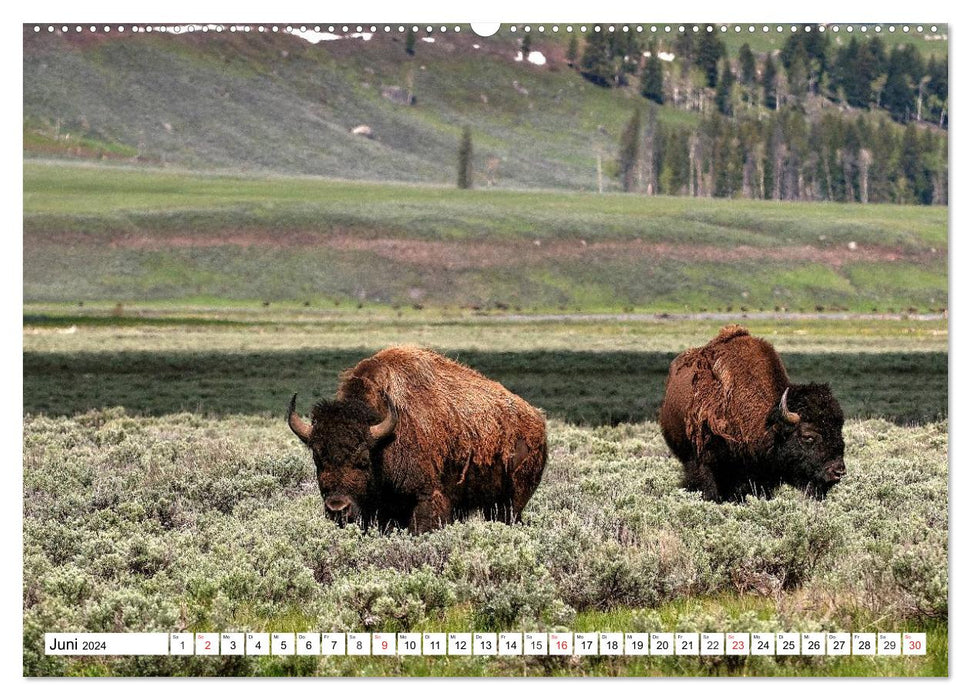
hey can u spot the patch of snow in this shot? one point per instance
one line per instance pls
(316, 37)
(428, 39)
(475, 46)
(663, 55)
(519, 55)
(536, 58)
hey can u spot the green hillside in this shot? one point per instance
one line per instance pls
(274, 102)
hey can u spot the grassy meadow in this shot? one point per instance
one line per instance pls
(95, 233)
(584, 372)
(163, 491)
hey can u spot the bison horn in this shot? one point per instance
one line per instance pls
(387, 426)
(787, 415)
(300, 427)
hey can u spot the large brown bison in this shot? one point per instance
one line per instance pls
(739, 426)
(416, 440)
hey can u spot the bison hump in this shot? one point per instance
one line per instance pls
(732, 331)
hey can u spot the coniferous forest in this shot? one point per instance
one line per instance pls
(848, 120)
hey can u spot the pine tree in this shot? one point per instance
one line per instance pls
(652, 80)
(723, 94)
(906, 83)
(912, 168)
(771, 99)
(883, 145)
(827, 138)
(677, 163)
(898, 95)
(813, 46)
(710, 51)
(857, 67)
(746, 65)
(596, 64)
(527, 44)
(855, 70)
(726, 158)
(653, 153)
(465, 160)
(684, 50)
(856, 79)
(410, 43)
(798, 73)
(909, 61)
(876, 56)
(800, 154)
(629, 152)
(819, 55)
(573, 50)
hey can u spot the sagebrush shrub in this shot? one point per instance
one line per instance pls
(189, 523)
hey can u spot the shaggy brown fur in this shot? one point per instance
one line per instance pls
(462, 443)
(722, 417)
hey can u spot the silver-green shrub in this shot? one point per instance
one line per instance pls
(188, 523)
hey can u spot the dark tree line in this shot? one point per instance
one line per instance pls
(786, 156)
(862, 73)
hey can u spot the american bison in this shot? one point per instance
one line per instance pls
(416, 440)
(739, 426)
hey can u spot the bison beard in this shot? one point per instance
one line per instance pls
(737, 424)
(416, 440)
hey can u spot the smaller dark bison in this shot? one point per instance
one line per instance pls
(739, 426)
(416, 440)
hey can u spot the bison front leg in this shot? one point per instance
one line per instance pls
(698, 476)
(431, 512)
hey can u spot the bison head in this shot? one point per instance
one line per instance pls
(809, 438)
(342, 436)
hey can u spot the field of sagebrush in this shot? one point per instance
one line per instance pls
(174, 497)
(187, 523)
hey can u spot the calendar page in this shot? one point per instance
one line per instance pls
(610, 349)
